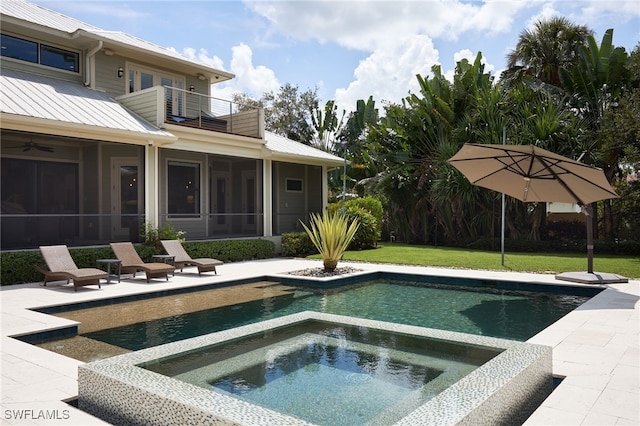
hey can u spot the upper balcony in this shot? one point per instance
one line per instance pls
(163, 105)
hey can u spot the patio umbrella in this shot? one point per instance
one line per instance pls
(531, 174)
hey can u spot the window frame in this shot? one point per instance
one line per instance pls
(39, 54)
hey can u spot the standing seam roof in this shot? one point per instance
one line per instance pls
(64, 101)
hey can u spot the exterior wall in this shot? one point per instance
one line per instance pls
(289, 207)
(106, 74)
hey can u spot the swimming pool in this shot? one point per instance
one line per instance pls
(501, 313)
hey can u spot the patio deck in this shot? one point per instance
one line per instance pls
(596, 346)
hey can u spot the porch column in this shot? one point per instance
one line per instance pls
(267, 198)
(151, 176)
(325, 187)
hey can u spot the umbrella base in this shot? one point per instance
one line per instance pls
(592, 277)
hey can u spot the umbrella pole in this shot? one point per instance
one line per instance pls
(589, 213)
(504, 141)
(502, 231)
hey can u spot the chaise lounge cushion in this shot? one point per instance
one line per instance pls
(182, 258)
(132, 263)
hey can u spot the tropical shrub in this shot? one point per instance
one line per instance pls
(368, 211)
(331, 234)
(297, 244)
(368, 232)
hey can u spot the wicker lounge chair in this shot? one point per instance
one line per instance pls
(182, 258)
(132, 263)
(60, 266)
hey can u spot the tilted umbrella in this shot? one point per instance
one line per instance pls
(531, 174)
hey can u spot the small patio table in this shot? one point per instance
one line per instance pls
(117, 267)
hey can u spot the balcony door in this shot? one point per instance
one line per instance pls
(220, 201)
(249, 201)
(140, 78)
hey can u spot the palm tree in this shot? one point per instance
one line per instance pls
(547, 47)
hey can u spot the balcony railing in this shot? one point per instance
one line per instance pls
(168, 105)
(190, 109)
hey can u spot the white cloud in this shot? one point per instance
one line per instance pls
(471, 57)
(398, 35)
(202, 55)
(599, 11)
(389, 73)
(249, 79)
(365, 25)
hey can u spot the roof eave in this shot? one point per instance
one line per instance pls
(214, 75)
(83, 131)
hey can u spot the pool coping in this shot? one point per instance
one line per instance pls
(596, 347)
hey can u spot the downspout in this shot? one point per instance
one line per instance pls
(90, 54)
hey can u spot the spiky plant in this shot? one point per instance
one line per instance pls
(331, 234)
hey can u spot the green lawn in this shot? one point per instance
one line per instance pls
(628, 266)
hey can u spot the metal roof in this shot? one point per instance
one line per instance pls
(42, 16)
(48, 98)
(281, 145)
(35, 14)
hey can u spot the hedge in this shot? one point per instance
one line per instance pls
(17, 267)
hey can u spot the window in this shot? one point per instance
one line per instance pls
(17, 48)
(58, 58)
(30, 51)
(183, 193)
(293, 185)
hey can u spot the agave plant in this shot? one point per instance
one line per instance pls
(331, 233)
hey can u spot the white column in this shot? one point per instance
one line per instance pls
(151, 175)
(267, 198)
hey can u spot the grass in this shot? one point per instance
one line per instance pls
(549, 263)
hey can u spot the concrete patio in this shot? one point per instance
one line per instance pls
(596, 347)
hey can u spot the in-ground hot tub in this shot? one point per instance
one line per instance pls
(313, 368)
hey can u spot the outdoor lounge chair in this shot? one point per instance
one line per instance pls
(132, 263)
(182, 258)
(60, 266)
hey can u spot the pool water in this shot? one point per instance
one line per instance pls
(329, 374)
(516, 315)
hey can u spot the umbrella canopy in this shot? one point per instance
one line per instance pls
(530, 174)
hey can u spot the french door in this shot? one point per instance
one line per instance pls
(140, 78)
(126, 197)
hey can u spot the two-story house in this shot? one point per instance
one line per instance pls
(103, 131)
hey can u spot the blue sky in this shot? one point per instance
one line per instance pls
(348, 50)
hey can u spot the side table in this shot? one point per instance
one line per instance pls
(117, 267)
(166, 258)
